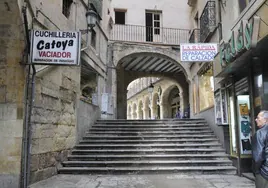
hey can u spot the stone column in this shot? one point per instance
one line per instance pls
(182, 103)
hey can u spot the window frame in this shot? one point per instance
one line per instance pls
(120, 11)
(66, 7)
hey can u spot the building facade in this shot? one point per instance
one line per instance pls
(63, 95)
(154, 98)
(145, 43)
(238, 71)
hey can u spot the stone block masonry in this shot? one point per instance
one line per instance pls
(54, 120)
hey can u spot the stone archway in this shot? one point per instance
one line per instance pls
(173, 99)
(134, 61)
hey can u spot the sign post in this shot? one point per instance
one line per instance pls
(55, 47)
(198, 52)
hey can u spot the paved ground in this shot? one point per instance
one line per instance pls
(145, 181)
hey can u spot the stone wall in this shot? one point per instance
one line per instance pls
(84, 121)
(11, 93)
(54, 119)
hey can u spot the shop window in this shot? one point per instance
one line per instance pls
(206, 88)
(221, 116)
(66, 7)
(243, 4)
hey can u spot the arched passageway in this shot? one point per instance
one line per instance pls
(146, 63)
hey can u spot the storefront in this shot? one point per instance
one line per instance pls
(241, 89)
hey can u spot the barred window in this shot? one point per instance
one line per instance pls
(66, 7)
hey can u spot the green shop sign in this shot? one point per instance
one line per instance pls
(245, 38)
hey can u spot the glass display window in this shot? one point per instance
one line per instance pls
(206, 88)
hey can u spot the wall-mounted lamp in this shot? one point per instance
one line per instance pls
(151, 88)
(91, 16)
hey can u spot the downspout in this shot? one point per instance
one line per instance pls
(220, 21)
(27, 132)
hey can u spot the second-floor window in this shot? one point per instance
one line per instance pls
(243, 4)
(120, 16)
(66, 7)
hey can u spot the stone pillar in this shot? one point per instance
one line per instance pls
(182, 98)
(121, 95)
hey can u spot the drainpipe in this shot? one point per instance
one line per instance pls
(220, 21)
(27, 132)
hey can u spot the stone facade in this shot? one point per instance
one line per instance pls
(160, 103)
(12, 82)
(57, 88)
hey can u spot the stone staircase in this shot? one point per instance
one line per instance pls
(148, 146)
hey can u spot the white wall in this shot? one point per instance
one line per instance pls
(175, 14)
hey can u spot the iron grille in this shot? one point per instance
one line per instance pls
(207, 20)
(195, 36)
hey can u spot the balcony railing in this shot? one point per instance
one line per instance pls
(194, 36)
(136, 33)
(207, 20)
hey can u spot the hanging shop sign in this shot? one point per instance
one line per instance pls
(55, 47)
(198, 52)
(245, 38)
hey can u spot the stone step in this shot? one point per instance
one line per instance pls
(147, 163)
(164, 146)
(150, 129)
(142, 170)
(149, 121)
(94, 128)
(150, 132)
(116, 157)
(206, 140)
(148, 125)
(145, 137)
(146, 151)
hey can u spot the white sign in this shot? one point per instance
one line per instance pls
(55, 47)
(197, 52)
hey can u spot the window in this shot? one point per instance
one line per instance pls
(153, 25)
(120, 16)
(93, 38)
(243, 4)
(206, 88)
(66, 7)
(157, 24)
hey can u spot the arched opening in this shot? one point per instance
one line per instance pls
(132, 67)
(173, 102)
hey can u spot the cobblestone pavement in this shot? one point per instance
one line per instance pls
(145, 181)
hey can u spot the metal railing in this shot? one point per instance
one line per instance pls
(136, 33)
(207, 20)
(194, 36)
